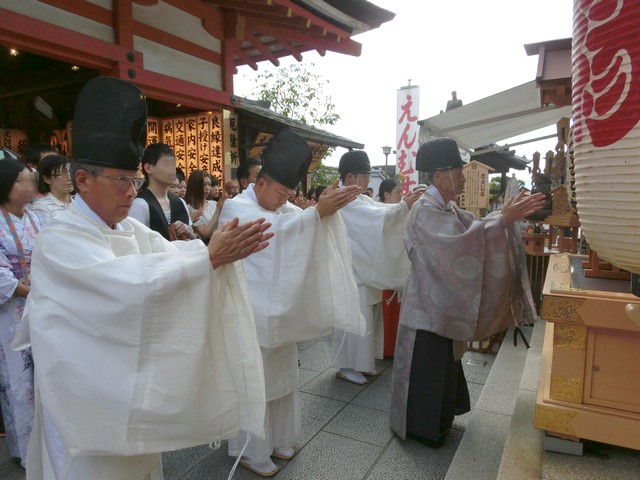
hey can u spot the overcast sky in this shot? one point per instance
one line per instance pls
(472, 47)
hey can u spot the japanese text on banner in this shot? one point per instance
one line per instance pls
(407, 130)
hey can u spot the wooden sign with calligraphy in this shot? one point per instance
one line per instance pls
(216, 152)
(230, 142)
(154, 134)
(476, 189)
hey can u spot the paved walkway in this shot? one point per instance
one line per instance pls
(345, 431)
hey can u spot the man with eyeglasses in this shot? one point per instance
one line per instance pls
(133, 337)
(379, 262)
(462, 287)
(300, 287)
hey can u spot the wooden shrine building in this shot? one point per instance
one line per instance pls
(181, 53)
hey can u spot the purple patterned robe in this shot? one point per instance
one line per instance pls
(466, 283)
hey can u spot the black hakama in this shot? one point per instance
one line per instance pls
(437, 388)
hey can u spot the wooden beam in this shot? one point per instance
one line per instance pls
(234, 26)
(245, 59)
(263, 49)
(229, 66)
(123, 23)
(298, 24)
(285, 13)
(289, 38)
(214, 26)
(134, 27)
(346, 47)
(250, 8)
(279, 54)
(83, 9)
(302, 12)
(173, 90)
(49, 40)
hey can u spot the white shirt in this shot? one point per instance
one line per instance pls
(140, 211)
(48, 207)
(208, 212)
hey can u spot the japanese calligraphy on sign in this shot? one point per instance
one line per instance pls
(153, 130)
(407, 130)
(476, 188)
(196, 140)
(230, 142)
(215, 144)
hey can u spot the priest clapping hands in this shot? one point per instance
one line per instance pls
(231, 242)
(521, 206)
(334, 198)
(154, 308)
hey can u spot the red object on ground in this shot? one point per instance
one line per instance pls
(391, 317)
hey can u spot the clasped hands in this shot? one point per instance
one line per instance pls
(232, 241)
(334, 198)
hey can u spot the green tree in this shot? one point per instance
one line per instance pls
(324, 175)
(298, 93)
(494, 185)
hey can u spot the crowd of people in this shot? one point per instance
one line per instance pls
(142, 312)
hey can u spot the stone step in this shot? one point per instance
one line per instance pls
(522, 454)
(479, 454)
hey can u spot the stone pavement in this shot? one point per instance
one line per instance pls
(345, 431)
(346, 434)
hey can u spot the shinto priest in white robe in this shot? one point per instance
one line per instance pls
(139, 347)
(301, 287)
(379, 262)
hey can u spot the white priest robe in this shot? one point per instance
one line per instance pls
(139, 347)
(301, 287)
(380, 262)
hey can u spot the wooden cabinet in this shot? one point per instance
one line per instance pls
(590, 374)
(613, 379)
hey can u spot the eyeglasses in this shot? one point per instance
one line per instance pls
(123, 182)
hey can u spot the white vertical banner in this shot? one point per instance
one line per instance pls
(407, 130)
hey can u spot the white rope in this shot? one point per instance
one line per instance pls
(235, 465)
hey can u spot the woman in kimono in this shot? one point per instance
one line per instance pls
(18, 228)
